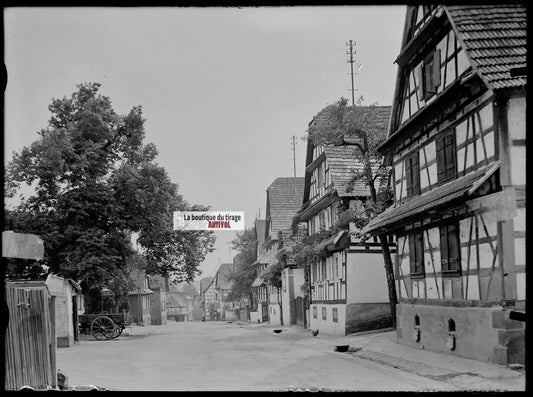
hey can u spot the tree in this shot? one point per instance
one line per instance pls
(364, 127)
(244, 273)
(95, 185)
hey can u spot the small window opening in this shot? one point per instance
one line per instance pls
(417, 320)
(451, 325)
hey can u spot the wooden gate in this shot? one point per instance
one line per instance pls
(29, 348)
(264, 311)
(300, 311)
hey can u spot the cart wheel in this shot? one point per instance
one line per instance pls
(102, 327)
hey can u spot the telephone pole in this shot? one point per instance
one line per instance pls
(293, 144)
(351, 52)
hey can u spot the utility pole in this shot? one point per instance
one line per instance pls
(351, 52)
(293, 144)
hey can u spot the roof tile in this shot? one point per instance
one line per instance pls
(494, 37)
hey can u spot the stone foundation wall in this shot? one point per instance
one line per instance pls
(480, 333)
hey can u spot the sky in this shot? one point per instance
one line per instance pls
(223, 90)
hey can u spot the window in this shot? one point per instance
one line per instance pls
(324, 317)
(429, 78)
(314, 312)
(446, 156)
(413, 174)
(416, 254)
(322, 220)
(335, 315)
(320, 175)
(449, 250)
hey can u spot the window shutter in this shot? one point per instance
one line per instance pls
(441, 159)
(419, 243)
(415, 173)
(421, 82)
(453, 248)
(412, 255)
(409, 179)
(449, 152)
(443, 247)
(436, 69)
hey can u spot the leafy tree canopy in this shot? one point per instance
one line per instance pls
(96, 183)
(244, 272)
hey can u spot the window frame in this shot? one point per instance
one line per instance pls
(446, 155)
(412, 174)
(429, 77)
(416, 254)
(449, 237)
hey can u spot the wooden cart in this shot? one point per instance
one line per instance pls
(102, 325)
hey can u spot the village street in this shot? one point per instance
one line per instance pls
(221, 356)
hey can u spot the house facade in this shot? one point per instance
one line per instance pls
(349, 290)
(208, 298)
(66, 292)
(226, 310)
(177, 305)
(139, 299)
(457, 143)
(259, 307)
(284, 199)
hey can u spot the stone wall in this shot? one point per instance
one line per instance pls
(480, 333)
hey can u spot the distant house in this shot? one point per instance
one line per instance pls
(457, 144)
(259, 304)
(208, 298)
(158, 306)
(66, 293)
(284, 199)
(177, 305)
(139, 298)
(226, 310)
(193, 299)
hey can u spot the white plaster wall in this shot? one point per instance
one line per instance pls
(328, 326)
(517, 118)
(366, 279)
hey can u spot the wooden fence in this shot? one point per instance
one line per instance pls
(30, 337)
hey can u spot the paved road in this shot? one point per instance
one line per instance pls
(219, 356)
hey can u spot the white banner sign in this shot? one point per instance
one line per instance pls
(208, 220)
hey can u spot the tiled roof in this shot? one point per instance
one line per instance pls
(262, 255)
(494, 37)
(284, 199)
(439, 197)
(176, 299)
(187, 288)
(222, 278)
(343, 161)
(204, 283)
(343, 157)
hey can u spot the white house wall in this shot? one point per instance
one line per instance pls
(449, 72)
(366, 278)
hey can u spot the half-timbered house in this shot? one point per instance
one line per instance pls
(208, 298)
(348, 284)
(284, 199)
(259, 312)
(457, 145)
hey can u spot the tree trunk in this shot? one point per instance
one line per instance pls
(389, 270)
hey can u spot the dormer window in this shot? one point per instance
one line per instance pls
(430, 75)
